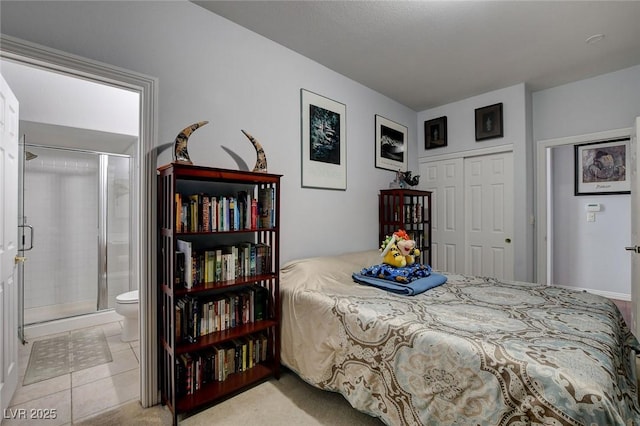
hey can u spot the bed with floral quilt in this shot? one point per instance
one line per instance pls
(472, 351)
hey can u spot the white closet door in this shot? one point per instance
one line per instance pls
(489, 215)
(445, 179)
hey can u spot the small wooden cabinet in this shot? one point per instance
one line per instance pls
(218, 283)
(410, 210)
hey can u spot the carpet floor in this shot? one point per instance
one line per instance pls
(288, 401)
(64, 354)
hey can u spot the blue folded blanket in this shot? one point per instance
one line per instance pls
(396, 274)
(412, 288)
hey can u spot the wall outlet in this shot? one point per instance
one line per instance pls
(591, 217)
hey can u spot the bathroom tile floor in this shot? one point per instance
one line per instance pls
(79, 395)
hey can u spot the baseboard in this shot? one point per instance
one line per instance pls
(607, 294)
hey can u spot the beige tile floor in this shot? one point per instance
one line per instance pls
(80, 394)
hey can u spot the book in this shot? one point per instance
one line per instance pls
(179, 331)
(261, 298)
(210, 261)
(266, 207)
(180, 277)
(178, 207)
(206, 213)
(213, 214)
(193, 212)
(186, 248)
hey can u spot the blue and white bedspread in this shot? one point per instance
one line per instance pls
(473, 351)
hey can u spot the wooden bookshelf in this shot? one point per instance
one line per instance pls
(178, 182)
(407, 209)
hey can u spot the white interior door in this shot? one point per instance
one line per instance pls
(445, 179)
(635, 228)
(8, 243)
(489, 215)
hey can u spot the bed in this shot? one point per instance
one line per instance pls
(473, 351)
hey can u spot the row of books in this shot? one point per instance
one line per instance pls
(196, 317)
(210, 213)
(229, 262)
(216, 363)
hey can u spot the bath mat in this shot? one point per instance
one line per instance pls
(60, 355)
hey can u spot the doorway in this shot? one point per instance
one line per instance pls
(144, 159)
(553, 155)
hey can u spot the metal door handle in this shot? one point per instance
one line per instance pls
(634, 248)
(30, 237)
(19, 259)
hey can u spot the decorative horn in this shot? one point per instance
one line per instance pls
(180, 153)
(261, 161)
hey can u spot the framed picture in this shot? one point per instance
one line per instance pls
(435, 133)
(391, 145)
(489, 122)
(324, 142)
(601, 168)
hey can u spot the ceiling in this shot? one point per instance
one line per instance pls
(429, 53)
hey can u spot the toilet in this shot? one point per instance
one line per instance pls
(127, 306)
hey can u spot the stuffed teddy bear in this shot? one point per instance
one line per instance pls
(399, 250)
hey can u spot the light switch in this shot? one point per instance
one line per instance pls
(591, 217)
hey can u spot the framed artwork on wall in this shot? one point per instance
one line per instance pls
(391, 145)
(489, 122)
(324, 142)
(435, 133)
(601, 168)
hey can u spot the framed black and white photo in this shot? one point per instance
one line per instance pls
(391, 145)
(489, 122)
(601, 168)
(435, 133)
(324, 142)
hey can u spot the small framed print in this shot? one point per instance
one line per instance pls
(601, 168)
(489, 122)
(324, 142)
(391, 145)
(435, 133)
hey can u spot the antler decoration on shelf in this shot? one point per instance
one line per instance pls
(180, 153)
(261, 160)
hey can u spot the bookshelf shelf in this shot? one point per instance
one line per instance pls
(407, 209)
(218, 281)
(225, 284)
(233, 384)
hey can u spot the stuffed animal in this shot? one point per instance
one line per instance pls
(399, 250)
(409, 250)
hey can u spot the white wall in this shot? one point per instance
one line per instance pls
(58, 99)
(588, 255)
(211, 69)
(461, 138)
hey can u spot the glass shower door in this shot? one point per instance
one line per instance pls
(60, 203)
(77, 208)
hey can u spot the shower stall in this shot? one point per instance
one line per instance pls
(75, 229)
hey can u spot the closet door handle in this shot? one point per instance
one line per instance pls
(634, 248)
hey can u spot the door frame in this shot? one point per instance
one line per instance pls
(544, 228)
(144, 237)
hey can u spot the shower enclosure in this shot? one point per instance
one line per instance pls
(75, 220)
